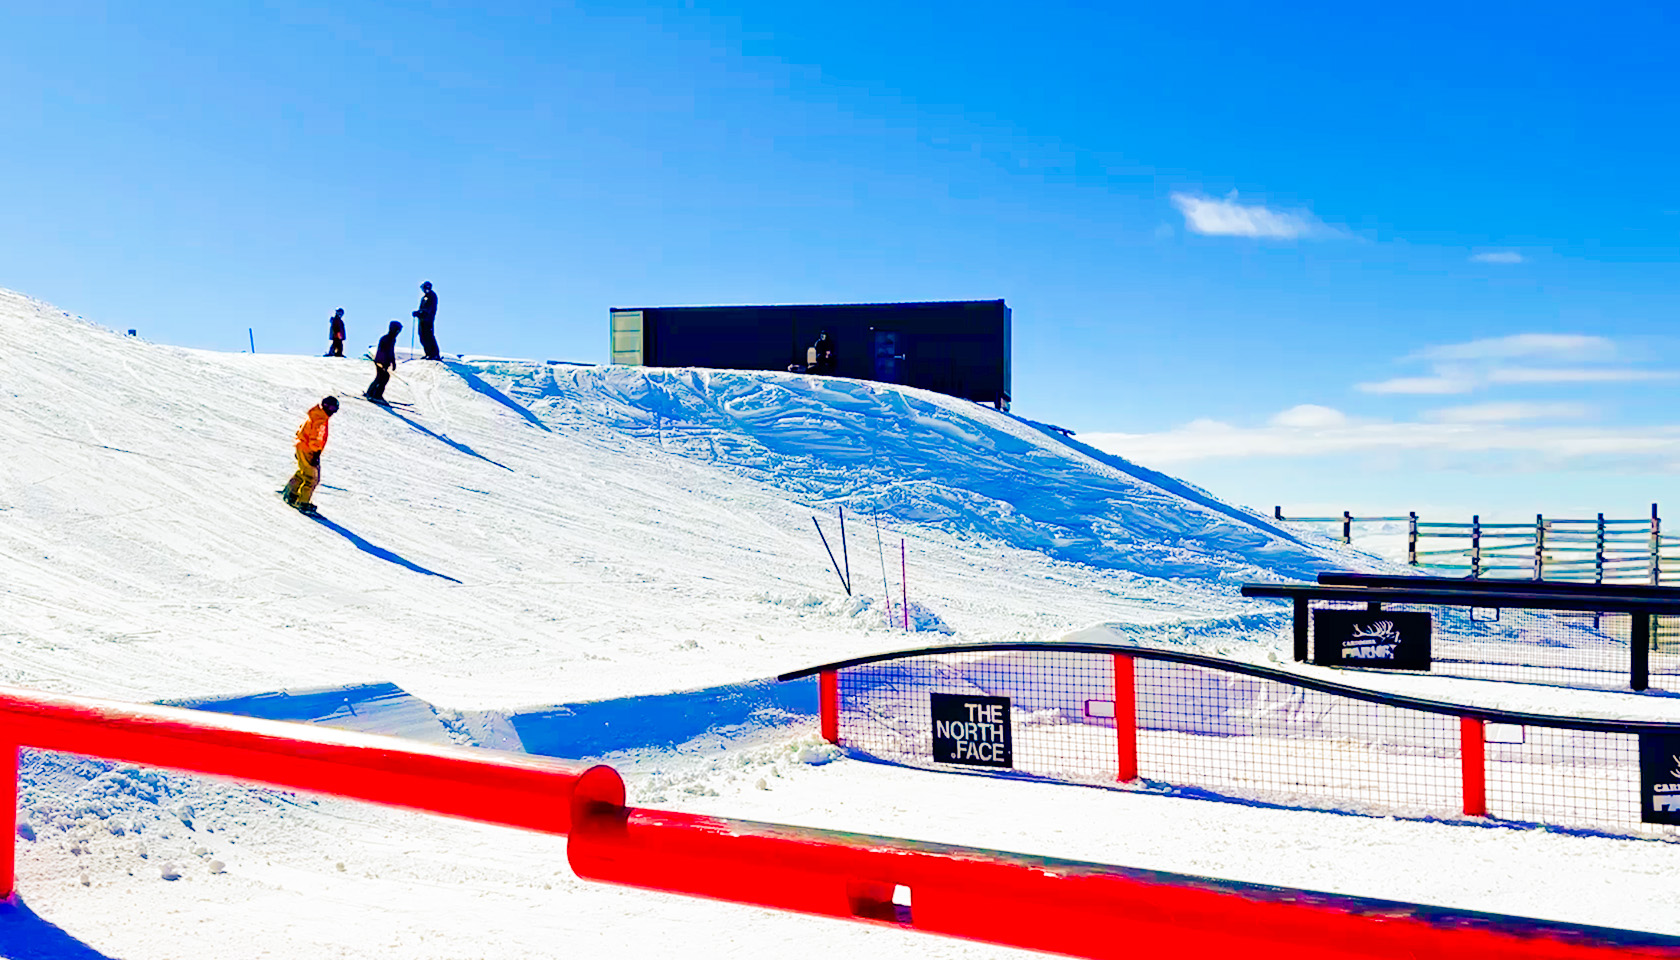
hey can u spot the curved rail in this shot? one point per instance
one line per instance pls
(1424, 704)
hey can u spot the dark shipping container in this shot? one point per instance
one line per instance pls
(958, 347)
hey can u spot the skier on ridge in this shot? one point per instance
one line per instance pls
(384, 358)
(311, 440)
(335, 333)
(426, 314)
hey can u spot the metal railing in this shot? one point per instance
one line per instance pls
(1037, 903)
(1570, 635)
(1161, 719)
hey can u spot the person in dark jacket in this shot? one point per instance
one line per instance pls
(384, 358)
(335, 334)
(823, 360)
(426, 314)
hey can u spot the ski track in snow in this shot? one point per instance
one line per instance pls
(607, 533)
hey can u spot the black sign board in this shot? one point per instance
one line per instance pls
(1659, 778)
(971, 729)
(1385, 639)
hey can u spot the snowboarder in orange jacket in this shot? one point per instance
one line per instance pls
(311, 440)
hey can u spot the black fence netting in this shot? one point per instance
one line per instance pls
(1197, 725)
(1586, 649)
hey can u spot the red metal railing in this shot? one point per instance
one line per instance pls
(507, 789)
(1058, 906)
(1069, 907)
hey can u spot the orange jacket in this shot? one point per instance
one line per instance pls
(312, 436)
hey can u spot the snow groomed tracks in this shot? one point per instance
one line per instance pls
(1069, 907)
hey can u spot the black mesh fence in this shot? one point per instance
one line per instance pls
(1201, 726)
(1586, 649)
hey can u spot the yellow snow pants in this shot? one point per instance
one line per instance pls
(302, 485)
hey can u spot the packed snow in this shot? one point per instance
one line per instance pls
(606, 562)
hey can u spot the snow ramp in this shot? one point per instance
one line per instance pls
(522, 533)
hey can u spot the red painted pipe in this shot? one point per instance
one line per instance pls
(477, 785)
(1472, 757)
(1067, 907)
(1125, 717)
(828, 704)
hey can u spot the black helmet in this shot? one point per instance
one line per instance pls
(339, 312)
(425, 284)
(329, 404)
(396, 325)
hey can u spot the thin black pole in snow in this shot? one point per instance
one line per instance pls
(831, 559)
(904, 579)
(844, 555)
(252, 333)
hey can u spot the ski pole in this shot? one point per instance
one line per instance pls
(831, 559)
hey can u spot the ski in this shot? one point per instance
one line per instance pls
(389, 403)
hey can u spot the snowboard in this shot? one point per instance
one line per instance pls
(313, 514)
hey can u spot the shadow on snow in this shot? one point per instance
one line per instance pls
(25, 936)
(469, 451)
(479, 385)
(379, 552)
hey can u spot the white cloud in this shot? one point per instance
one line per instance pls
(1652, 449)
(1574, 374)
(1506, 412)
(1498, 256)
(1424, 385)
(1228, 218)
(1310, 416)
(1556, 346)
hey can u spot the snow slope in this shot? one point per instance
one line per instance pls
(523, 535)
(635, 545)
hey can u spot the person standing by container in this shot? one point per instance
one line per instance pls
(335, 334)
(426, 315)
(311, 440)
(384, 358)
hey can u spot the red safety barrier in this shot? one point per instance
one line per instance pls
(507, 789)
(828, 704)
(1059, 906)
(1472, 759)
(1125, 717)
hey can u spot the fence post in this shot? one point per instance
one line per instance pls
(1599, 566)
(1472, 754)
(828, 704)
(1411, 540)
(1347, 526)
(1301, 614)
(1476, 547)
(1539, 547)
(1125, 717)
(8, 819)
(1639, 652)
(1277, 513)
(1656, 547)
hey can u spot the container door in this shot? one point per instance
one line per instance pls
(889, 359)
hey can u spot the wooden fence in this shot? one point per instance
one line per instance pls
(1592, 550)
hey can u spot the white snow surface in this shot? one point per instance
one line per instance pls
(531, 534)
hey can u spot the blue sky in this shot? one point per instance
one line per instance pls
(1422, 257)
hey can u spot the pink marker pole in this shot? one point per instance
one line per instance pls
(904, 578)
